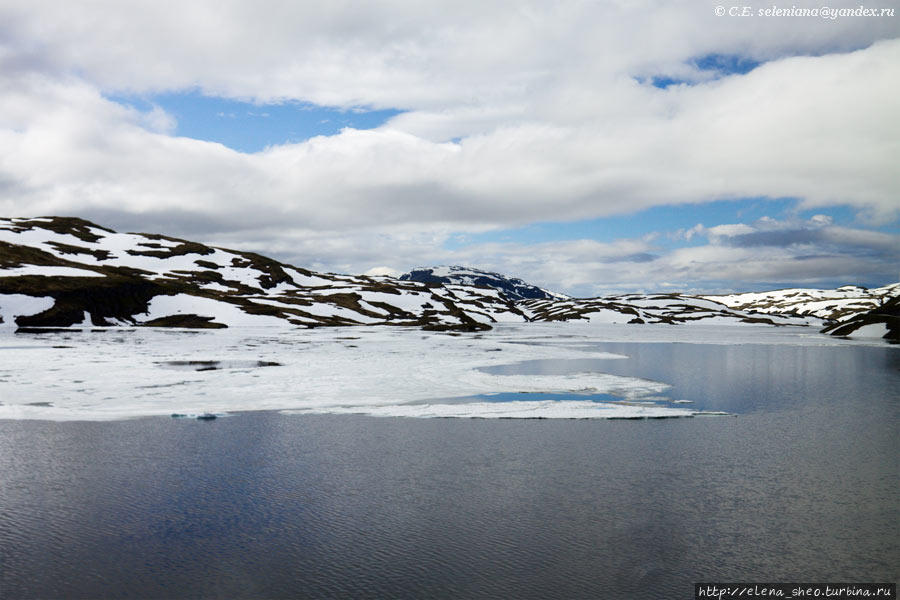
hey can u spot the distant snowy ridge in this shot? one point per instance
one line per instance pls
(831, 305)
(511, 287)
(68, 272)
(850, 306)
(653, 308)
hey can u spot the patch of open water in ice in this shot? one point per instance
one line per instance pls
(214, 365)
(540, 396)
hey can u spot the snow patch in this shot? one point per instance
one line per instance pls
(48, 271)
(410, 301)
(19, 305)
(306, 280)
(875, 330)
(221, 312)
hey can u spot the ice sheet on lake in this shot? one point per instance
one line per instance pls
(113, 374)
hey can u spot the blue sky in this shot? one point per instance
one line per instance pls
(659, 220)
(714, 65)
(251, 127)
(587, 147)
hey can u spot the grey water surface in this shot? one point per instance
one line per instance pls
(800, 485)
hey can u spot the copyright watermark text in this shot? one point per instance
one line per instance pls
(821, 12)
(720, 591)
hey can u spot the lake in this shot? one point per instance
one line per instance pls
(800, 483)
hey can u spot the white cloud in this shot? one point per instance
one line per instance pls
(401, 53)
(821, 220)
(159, 121)
(543, 102)
(729, 230)
(719, 142)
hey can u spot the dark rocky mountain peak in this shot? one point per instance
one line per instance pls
(513, 288)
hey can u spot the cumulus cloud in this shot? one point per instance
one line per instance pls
(515, 112)
(767, 251)
(396, 53)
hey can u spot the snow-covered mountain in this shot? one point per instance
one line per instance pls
(59, 272)
(64, 272)
(511, 287)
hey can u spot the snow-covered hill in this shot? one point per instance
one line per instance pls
(830, 305)
(60, 272)
(511, 287)
(64, 272)
(880, 322)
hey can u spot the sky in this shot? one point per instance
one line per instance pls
(590, 147)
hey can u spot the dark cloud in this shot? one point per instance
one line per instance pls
(815, 256)
(818, 242)
(640, 257)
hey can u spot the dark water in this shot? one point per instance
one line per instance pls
(801, 486)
